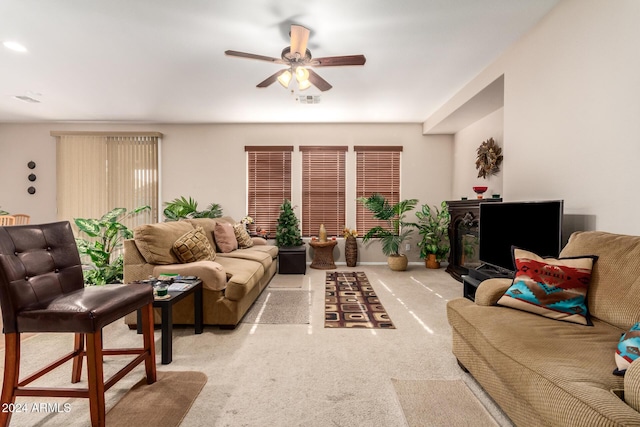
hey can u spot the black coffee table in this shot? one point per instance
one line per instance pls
(166, 311)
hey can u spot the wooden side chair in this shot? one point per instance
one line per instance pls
(7, 220)
(22, 219)
(42, 290)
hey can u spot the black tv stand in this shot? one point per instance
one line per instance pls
(487, 271)
(471, 281)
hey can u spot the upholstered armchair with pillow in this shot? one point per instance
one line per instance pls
(556, 345)
(233, 266)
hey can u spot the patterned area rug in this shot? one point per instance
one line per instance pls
(351, 302)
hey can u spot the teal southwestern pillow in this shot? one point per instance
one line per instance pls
(551, 287)
(628, 349)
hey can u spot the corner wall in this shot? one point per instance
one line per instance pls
(571, 109)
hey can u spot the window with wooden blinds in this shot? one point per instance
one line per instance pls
(377, 171)
(323, 189)
(269, 184)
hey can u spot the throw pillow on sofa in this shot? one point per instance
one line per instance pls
(193, 246)
(628, 349)
(551, 287)
(243, 238)
(225, 237)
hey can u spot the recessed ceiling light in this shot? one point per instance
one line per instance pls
(15, 46)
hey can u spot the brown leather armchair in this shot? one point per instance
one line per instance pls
(42, 290)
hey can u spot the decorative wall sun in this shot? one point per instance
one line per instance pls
(489, 158)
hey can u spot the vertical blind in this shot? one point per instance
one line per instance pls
(323, 189)
(269, 183)
(377, 171)
(97, 172)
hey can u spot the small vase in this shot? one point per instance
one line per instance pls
(322, 233)
(351, 251)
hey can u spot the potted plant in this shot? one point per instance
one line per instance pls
(180, 208)
(107, 234)
(397, 231)
(433, 227)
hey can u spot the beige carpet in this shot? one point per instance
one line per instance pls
(440, 403)
(281, 306)
(163, 403)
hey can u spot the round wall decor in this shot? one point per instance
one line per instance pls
(31, 165)
(489, 158)
(32, 177)
(31, 190)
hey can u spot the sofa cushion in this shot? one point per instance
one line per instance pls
(628, 349)
(155, 241)
(242, 276)
(194, 246)
(242, 236)
(268, 249)
(550, 287)
(615, 279)
(225, 237)
(212, 274)
(263, 258)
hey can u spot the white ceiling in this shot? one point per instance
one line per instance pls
(162, 61)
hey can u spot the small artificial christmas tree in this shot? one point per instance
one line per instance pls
(288, 230)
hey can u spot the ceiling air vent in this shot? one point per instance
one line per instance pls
(309, 99)
(26, 98)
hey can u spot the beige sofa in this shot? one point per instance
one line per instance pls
(545, 372)
(231, 282)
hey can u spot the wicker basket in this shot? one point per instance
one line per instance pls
(351, 251)
(397, 262)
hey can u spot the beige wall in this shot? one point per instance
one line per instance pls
(571, 108)
(208, 163)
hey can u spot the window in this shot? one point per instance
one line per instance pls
(97, 172)
(269, 183)
(323, 189)
(377, 171)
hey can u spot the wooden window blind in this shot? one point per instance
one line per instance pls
(97, 172)
(269, 184)
(377, 171)
(323, 189)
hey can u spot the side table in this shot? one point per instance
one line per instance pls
(323, 254)
(292, 260)
(166, 311)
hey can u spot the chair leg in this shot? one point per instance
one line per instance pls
(11, 373)
(149, 343)
(78, 348)
(96, 379)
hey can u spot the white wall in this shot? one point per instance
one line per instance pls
(208, 163)
(571, 109)
(466, 142)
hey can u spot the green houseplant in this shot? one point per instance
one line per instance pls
(433, 227)
(105, 237)
(288, 229)
(181, 207)
(398, 229)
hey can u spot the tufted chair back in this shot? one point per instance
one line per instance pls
(37, 264)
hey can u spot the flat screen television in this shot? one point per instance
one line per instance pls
(534, 226)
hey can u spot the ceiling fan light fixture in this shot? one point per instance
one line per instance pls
(304, 85)
(285, 78)
(302, 74)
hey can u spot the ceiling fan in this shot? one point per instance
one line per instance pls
(298, 60)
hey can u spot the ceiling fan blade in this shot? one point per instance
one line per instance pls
(318, 81)
(334, 61)
(272, 78)
(253, 56)
(299, 40)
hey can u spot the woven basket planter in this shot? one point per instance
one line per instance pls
(398, 263)
(351, 251)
